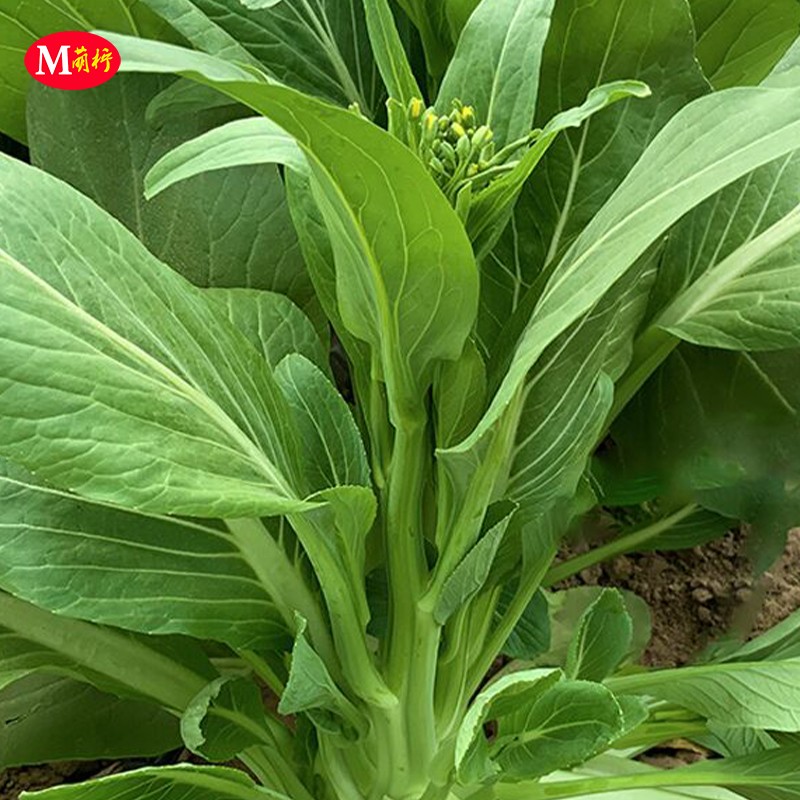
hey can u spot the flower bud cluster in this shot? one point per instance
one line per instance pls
(456, 148)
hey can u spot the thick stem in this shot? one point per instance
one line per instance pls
(624, 544)
(413, 638)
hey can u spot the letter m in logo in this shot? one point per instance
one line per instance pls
(52, 63)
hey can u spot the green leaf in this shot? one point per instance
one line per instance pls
(570, 606)
(243, 142)
(51, 718)
(218, 229)
(333, 452)
(406, 279)
(470, 575)
(496, 65)
(22, 22)
(779, 643)
(130, 351)
(571, 722)
(459, 392)
(749, 300)
(763, 776)
(181, 782)
(155, 575)
(602, 640)
(390, 55)
(320, 47)
(740, 41)
(740, 130)
(500, 697)
(590, 44)
(491, 209)
(531, 634)
(741, 694)
(311, 689)
(272, 323)
(211, 725)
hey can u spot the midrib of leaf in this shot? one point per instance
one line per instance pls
(770, 384)
(734, 266)
(200, 400)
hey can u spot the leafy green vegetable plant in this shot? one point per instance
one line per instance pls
(289, 448)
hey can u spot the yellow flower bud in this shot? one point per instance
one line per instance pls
(415, 108)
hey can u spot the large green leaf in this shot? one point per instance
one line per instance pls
(740, 41)
(149, 574)
(182, 782)
(589, 44)
(748, 301)
(22, 22)
(406, 278)
(129, 387)
(732, 133)
(496, 65)
(219, 229)
(51, 718)
(319, 46)
(272, 323)
(738, 694)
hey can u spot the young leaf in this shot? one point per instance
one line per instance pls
(389, 52)
(570, 606)
(243, 142)
(500, 697)
(470, 575)
(602, 640)
(311, 689)
(181, 782)
(571, 722)
(140, 353)
(496, 65)
(491, 209)
(333, 452)
(54, 718)
(155, 575)
(223, 719)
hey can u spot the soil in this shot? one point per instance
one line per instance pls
(695, 595)
(700, 594)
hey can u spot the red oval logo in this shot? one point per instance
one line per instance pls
(72, 60)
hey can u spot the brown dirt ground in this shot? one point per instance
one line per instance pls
(695, 595)
(699, 594)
